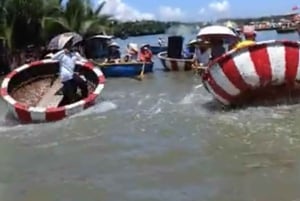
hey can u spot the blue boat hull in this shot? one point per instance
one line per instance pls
(158, 49)
(125, 69)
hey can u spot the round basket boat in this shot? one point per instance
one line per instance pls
(267, 73)
(23, 88)
(173, 64)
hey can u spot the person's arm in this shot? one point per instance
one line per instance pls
(57, 55)
(79, 57)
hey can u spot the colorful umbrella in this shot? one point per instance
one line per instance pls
(59, 41)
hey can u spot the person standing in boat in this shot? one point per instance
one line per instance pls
(202, 54)
(145, 53)
(67, 61)
(217, 48)
(114, 54)
(161, 41)
(250, 39)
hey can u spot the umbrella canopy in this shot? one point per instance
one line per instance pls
(59, 41)
(216, 31)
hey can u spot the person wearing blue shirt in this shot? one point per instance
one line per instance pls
(67, 61)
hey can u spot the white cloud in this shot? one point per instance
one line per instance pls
(170, 13)
(124, 12)
(219, 6)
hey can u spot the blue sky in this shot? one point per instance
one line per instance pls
(195, 10)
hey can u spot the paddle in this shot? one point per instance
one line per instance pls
(141, 76)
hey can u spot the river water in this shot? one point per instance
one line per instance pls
(162, 139)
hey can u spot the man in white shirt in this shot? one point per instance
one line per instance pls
(70, 80)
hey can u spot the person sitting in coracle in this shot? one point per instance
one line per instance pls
(132, 52)
(145, 53)
(114, 54)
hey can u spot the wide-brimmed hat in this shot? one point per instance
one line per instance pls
(114, 44)
(198, 41)
(145, 45)
(133, 46)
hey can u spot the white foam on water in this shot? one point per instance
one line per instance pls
(97, 109)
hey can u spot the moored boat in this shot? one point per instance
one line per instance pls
(286, 30)
(128, 69)
(158, 49)
(32, 91)
(175, 64)
(264, 73)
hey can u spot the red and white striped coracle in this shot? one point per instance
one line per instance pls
(27, 114)
(266, 63)
(173, 64)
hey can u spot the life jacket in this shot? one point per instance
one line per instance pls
(146, 56)
(244, 43)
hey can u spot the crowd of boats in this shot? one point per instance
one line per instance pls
(233, 67)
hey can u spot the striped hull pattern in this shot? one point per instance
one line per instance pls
(257, 69)
(172, 64)
(28, 114)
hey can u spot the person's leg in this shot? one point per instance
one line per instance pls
(82, 85)
(68, 92)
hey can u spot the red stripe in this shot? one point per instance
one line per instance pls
(291, 62)
(174, 65)
(101, 79)
(11, 74)
(54, 114)
(90, 100)
(218, 90)
(89, 65)
(3, 91)
(36, 63)
(260, 59)
(232, 73)
(23, 113)
(187, 65)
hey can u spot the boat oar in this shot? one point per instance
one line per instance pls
(141, 76)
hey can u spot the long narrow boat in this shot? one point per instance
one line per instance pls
(173, 64)
(265, 73)
(130, 69)
(32, 91)
(285, 30)
(158, 49)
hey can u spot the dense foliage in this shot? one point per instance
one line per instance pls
(24, 22)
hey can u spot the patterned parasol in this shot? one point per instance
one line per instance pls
(59, 41)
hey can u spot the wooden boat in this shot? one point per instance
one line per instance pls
(158, 49)
(266, 73)
(130, 69)
(173, 64)
(32, 91)
(285, 30)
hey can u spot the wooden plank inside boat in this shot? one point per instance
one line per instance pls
(50, 99)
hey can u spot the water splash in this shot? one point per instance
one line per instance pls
(98, 109)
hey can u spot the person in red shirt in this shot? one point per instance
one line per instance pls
(145, 53)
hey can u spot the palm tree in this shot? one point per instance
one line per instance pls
(79, 16)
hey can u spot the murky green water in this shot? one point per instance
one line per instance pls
(162, 139)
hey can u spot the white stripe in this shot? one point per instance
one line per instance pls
(48, 61)
(246, 68)
(277, 61)
(10, 100)
(219, 98)
(221, 79)
(38, 113)
(5, 82)
(180, 65)
(298, 68)
(98, 89)
(74, 108)
(168, 64)
(98, 72)
(21, 68)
